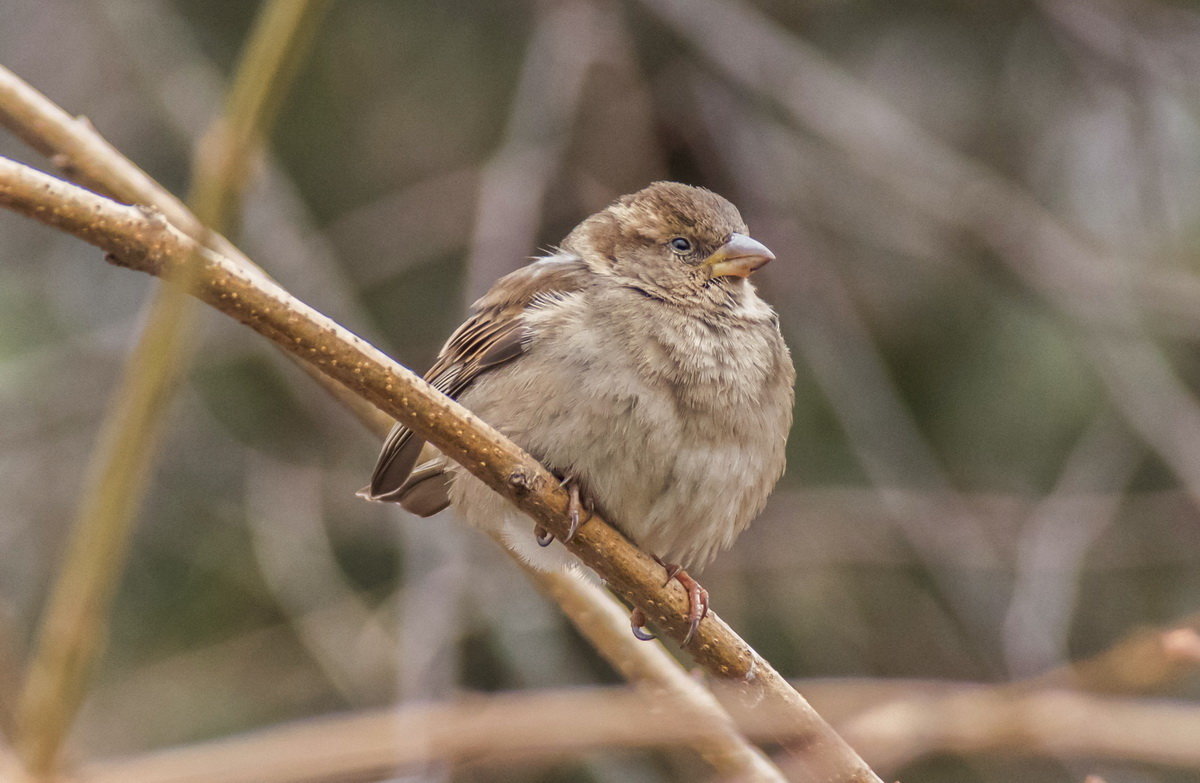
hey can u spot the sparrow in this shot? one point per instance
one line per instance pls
(637, 362)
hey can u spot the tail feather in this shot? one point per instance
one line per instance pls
(423, 490)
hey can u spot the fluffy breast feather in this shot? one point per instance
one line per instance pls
(678, 437)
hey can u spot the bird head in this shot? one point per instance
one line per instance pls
(670, 241)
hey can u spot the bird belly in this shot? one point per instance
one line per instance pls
(681, 484)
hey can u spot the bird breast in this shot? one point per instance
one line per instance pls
(674, 423)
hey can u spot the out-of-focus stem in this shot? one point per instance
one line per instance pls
(74, 621)
(661, 680)
(141, 239)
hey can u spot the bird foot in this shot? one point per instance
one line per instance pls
(697, 603)
(697, 596)
(578, 512)
(637, 624)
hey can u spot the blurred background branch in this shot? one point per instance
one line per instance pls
(909, 720)
(73, 625)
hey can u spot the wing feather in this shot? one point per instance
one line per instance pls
(493, 335)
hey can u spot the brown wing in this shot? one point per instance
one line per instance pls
(493, 335)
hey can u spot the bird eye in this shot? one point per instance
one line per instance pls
(681, 245)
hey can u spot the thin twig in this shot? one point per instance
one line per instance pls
(142, 240)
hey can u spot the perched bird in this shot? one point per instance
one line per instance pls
(638, 363)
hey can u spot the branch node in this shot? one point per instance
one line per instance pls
(152, 214)
(62, 162)
(523, 481)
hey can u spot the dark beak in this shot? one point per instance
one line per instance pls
(739, 257)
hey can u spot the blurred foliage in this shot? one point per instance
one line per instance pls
(369, 210)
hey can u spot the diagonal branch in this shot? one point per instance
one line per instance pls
(77, 148)
(139, 238)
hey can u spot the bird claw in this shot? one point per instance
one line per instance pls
(573, 528)
(576, 508)
(637, 624)
(697, 604)
(697, 597)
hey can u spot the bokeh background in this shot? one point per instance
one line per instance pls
(985, 216)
